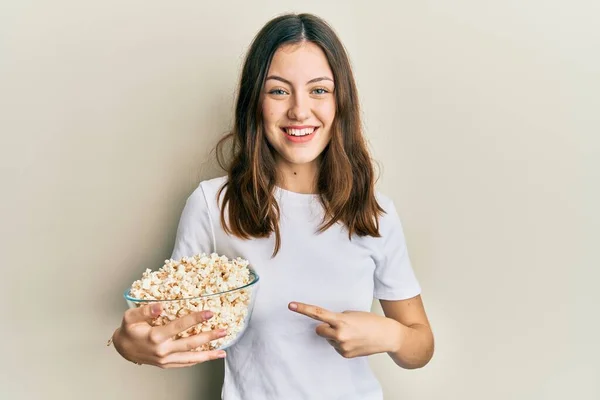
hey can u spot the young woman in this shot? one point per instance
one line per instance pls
(299, 203)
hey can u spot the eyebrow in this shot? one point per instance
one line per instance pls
(278, 78)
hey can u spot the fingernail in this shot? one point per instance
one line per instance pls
(222, 332)
(208, 314)
(155, 308)
(222, 354)
(293, 306)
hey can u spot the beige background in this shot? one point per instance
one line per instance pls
(484, 115)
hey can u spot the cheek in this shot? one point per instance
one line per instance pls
(272, 112)
(326, 113)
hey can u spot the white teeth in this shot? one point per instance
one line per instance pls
(299, 132)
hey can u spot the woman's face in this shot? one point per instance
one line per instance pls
(298, 103)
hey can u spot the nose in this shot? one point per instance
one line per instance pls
(299, 108)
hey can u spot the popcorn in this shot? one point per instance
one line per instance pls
(184, 281)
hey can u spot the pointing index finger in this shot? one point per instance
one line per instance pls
(315, 312)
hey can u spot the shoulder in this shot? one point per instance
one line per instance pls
(206, 192)
(390, 219)
(386, 203)
(213, 185)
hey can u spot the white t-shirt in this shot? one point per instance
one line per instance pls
(280, 356)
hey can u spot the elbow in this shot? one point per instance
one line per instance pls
(416, 363)
(419, 358)
(413, 365)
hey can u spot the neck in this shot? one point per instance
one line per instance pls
(298, 178)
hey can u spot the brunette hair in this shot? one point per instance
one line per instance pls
(346, 178)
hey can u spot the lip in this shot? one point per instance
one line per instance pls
(300, 139)
(299, 127)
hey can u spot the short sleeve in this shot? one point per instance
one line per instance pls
(195, 233)
(394, 278)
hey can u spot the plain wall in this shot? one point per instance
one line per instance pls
(483, 114)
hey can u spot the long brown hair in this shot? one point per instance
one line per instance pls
(345, 183)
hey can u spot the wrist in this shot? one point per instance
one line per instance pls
(396, 335)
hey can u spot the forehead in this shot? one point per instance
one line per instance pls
(300, 62)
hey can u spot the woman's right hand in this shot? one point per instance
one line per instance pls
(139, 342)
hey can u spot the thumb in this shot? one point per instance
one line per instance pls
(142, 314)
(154, 310)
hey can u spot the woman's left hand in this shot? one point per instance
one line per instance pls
(354, 333)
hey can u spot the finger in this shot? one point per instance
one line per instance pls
(335, 345)
(326, 331)
(160, 334)
(193, 342)
(315, 312)
(142, 314)
(187, 357)
(170, 366)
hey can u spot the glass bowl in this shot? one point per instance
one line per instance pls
(231, 310)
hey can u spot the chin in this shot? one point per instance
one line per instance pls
(301, 160)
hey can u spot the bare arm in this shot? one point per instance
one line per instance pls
(413, 343)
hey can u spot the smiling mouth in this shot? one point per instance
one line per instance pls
(302, 132)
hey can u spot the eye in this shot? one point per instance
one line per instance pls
(320, 91)
(278, 92)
